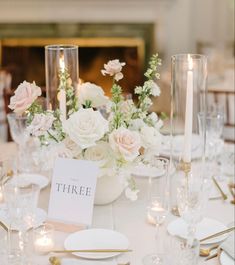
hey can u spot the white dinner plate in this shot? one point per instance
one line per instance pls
(178, 143)
(40, 217)
(96, 239)
(27, 179)
(205, 228)
(225, 259)
(146, 171)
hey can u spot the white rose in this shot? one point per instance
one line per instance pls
(125, 143)
(101, 153)
(85, 127)
(40, 124)
(92, 93)
(151, 138)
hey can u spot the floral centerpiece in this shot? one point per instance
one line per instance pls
(117, 133)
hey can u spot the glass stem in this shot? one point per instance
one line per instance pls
(191, 234)
(157, 237)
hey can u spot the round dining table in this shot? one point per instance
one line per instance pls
(127, 217)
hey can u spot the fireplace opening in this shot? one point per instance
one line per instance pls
(25, 60)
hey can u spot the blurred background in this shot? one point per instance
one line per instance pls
(130, 30)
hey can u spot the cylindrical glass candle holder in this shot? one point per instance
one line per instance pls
(61, 63)
(188, 98)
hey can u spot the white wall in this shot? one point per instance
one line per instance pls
(179, 23)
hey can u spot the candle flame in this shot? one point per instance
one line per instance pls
(190, 62)
(62, 65)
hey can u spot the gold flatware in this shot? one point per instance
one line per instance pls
(231, 187)
(92, 250)
(3, 226)
(205, 252)
(54, 261)
(216, 198)
(212, 256)
(225, 197)
(218, 234)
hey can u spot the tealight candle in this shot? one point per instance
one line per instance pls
(44, 239)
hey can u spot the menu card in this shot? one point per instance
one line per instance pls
(72, 191)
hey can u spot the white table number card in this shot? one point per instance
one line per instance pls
(72, 191)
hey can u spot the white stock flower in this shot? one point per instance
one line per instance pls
(113, 68)
(25, 94)
(125, 143)
(136, 124)
(85, 127)
(92, 93)
(151, 138)
(157, 123)
(40, 124)
(127, 107)
(131, 194)
(155, 89)
(101, 153)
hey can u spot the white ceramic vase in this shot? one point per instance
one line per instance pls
(108, 189)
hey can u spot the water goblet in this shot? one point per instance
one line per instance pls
(21, 204)
(17, 126)
(158, 208)
(214, 122)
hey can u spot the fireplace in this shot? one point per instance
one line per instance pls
(22, 50)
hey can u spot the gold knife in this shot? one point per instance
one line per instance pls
(92, 250)
(218, 234)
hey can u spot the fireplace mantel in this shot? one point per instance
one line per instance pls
(79, 10)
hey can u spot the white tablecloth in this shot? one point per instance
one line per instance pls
(129, 218)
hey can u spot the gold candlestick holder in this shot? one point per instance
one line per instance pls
(186, 168)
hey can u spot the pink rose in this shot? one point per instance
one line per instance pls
(41, 123)
(113, 68)
(25, 94)
(125, 142)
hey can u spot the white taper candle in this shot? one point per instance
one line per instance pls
(188, 113)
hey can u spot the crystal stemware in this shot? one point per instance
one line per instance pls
(214, 123)
(190, 198)
(17, 125)
(158, 207)
(21, 202)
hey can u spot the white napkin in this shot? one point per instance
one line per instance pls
(86, 262)
(228, 245)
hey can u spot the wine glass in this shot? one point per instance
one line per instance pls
(158, 207)
(190, 198)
